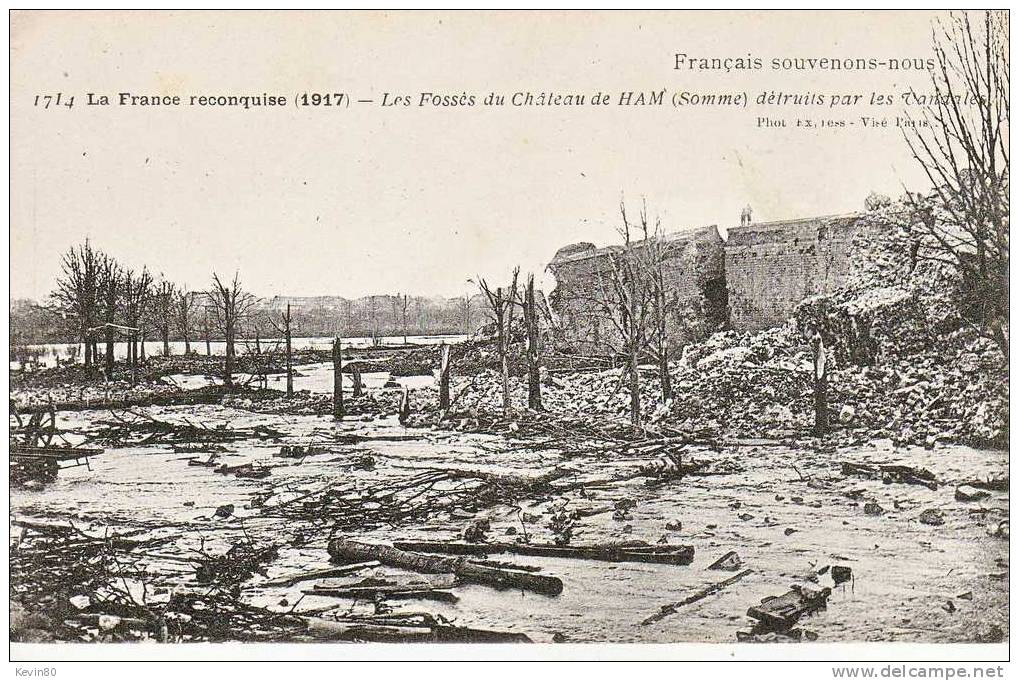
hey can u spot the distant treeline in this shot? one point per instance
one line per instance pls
(34, 322)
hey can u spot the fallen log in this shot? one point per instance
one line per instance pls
(693, 598)
(344, 550)
(291, 580)
(890, 473)
(334, 630)
(628, 552)
(370, 593)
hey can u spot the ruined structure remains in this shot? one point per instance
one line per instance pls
(771, 267)
(693, 267)
(753, 280)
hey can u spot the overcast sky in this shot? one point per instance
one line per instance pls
(365, 200)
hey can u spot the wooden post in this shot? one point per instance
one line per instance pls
(820, 388)
(355, 371)
(405, 407)
(109, 352)
(533, 374)
(134, 358)
(290, 360)
(337, 379)
(444, 381)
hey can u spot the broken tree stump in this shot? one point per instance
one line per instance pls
(344, 550)
(444, 376)
(405, 407)
(337, 379)
(355, 372)
(533, 372)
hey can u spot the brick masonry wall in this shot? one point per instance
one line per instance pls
(771, 267)
(765, 269)
(584, 286)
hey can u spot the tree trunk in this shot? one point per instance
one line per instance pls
(343, 550)
(166, 341)
(355, 374)
(88, 349)
(228, 372)
(820, 390)
(208, 343)
(444, 381)
(634, 390)
(337, 379)
(663, 371)
(134, 353)
(290, 361)
(109, 353)
(533, 373)
(142, 346)
(504, 357)
(405, 407)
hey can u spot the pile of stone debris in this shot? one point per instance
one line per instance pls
(761, 385)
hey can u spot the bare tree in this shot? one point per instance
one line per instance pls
(533, 371)
(283, 327)
(373, 318)
(650, 257)
(623, 296)
(136, 293)
(184, 312)
(77, 294)
(961, 142)
(465, 313)
(112, 280)
(400, 304)
(230, 305)
(501, 305)
(163, 311)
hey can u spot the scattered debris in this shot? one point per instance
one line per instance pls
(730, 562)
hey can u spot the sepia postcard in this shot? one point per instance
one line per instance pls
(510, 335)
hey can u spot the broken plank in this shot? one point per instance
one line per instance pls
(693, 598)
(370, 593)
(340, 571)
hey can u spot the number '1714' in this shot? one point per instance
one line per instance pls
(59, 99)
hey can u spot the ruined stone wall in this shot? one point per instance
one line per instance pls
(753, 281)
(694, 271)
(771, 267)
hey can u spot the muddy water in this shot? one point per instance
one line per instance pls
(51, 352)
(788, 514)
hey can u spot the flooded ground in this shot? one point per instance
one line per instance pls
(49, 353)
(786, 512)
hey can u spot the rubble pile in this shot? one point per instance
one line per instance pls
(956, 393)
(377, 404)
(70, 395)
(761, 385)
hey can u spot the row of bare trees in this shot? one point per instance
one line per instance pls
(103, 300)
